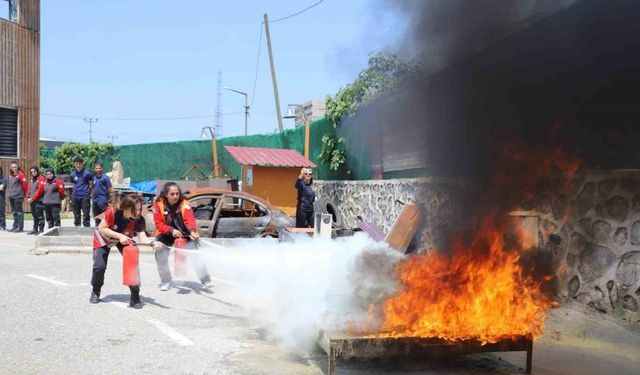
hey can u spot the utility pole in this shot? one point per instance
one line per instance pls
(90, 121)
(218, 127)
(273, 72)
(112, 137)
(246, 106)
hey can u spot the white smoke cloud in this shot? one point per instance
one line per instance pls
(295, 289)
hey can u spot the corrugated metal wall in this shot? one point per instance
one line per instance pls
(20, 79)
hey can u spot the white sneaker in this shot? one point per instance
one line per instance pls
(207, 284)
(166, 286)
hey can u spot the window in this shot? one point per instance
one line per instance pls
(8, 133)
(239, 207)
(10, 12)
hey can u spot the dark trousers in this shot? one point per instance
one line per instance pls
(18, 213)
(3, 206)
(83, 204)
(52, 213)
(98, 208)
(304, 219)
(100, 259)
(37, 211)
(162, 260)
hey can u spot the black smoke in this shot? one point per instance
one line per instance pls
(536, 74)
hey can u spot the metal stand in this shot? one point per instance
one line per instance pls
(342, 346)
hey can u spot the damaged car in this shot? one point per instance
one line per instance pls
(231, 214)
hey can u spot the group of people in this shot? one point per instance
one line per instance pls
(119, 225)
(45, 193)
(173, 218)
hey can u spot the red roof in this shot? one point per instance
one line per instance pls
(268, 157)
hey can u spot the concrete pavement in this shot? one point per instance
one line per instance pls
(48, 326)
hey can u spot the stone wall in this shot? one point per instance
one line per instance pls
(376, 201)
(595, 236)
(593, 231)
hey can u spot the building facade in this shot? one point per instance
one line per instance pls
(19, 83)
(314, 109)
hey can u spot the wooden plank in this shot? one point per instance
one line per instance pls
(404, 228)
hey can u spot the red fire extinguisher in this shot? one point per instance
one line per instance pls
(130, 266)
(180, 257)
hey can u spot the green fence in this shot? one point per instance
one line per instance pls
(173, 159)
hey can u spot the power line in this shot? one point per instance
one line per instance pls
(295, 14)
(255, 79)
(140, 118)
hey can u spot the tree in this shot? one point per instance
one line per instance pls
(62, 161)
(383, 72)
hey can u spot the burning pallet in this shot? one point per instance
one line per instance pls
(342, 346)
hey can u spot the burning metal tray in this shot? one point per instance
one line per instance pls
(342, 346)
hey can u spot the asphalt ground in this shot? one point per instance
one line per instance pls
(48, 326)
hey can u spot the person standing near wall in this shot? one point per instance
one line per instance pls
(101, 192)
(306, 197)
(80, 200)
(53, 195)
(174, 218)
(17, 189)
(35, 199)
(3, 202)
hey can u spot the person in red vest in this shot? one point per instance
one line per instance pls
(118, 227)
(17, 190)
(53, 195)
(174, 218)
(36, 194)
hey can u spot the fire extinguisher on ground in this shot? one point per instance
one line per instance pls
(130, 265)
(180, 257)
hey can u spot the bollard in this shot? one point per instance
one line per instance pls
(180, 257)
(130, 266)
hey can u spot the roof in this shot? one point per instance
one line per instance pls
(268, 157)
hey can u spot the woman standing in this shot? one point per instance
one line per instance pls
(35, 199)
(174, 218)
(3, 197)
(17, 189)
(306, 197)
(53, 195)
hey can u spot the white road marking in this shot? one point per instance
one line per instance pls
(172, 333)
(52, 281)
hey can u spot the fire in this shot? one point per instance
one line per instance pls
(478, 293)
(479, 289)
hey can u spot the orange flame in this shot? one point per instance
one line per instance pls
(467, 296)
(480, 289)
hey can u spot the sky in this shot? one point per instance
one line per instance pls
(159, 59)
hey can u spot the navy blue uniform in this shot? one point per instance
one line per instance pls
(101, 186)
(80, 197)
(304, 208)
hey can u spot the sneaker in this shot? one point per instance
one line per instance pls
(135, 304)
(95, 298)
(33, 232)
(207, 284)
(166, 286)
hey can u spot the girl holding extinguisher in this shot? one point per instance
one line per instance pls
(174, 219)
(118, 227)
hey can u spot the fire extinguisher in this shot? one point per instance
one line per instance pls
(130, 265)
(180, 257)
